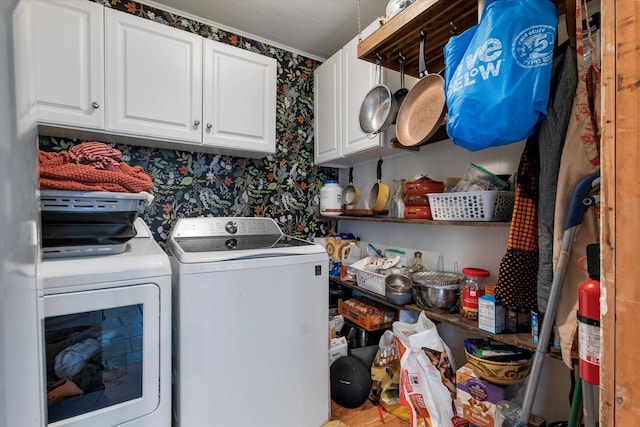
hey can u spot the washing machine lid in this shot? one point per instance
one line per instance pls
(215, 239)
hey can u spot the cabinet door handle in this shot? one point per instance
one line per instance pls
(196, 122)
(209, 125)
(94, 104)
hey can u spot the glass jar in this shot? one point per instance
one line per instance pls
(416, 265)
(397, 199)
(472, 288)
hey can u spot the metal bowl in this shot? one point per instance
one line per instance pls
(398, 289)
(438, 297)
(437, 290)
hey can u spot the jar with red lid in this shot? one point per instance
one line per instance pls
(472, 288)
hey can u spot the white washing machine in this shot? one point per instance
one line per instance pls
(107, 337)
(250, 325)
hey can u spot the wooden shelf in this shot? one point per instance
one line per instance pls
(414, 221)
(521, 340)
(440, 135)
(401, 34)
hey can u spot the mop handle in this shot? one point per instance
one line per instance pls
(580, 201)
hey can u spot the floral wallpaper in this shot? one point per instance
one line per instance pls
(284, 186)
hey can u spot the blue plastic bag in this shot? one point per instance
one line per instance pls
(498, 73)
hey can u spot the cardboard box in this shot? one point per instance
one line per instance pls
(476, 398)
(490, 314)
(336, 323)
(536, 326)
(337, 349)
(534, 421)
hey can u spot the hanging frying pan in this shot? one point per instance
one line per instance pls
(379, 195)
(424, 107)
(351, 193)
(378, 108)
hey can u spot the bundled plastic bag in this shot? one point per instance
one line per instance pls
(427, 374)
(385, 377)
(498, 74)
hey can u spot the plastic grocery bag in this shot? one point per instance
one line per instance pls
(498, 73)
(427, 374)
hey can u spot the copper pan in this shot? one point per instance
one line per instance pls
(424, 108)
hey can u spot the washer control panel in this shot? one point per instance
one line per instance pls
(225, 226)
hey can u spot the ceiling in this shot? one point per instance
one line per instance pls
(317, 28)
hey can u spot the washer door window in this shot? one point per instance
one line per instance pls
(102, 355)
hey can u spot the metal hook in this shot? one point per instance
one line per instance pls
(379, 57)
(452, 28)
(402, 57)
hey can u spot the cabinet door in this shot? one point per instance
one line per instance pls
(327, 106)
(358, 77)
(154, 79)
(239, 99)
(69, 62)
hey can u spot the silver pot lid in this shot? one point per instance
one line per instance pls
(436, 278)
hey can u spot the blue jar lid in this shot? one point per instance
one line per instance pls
(331, 181)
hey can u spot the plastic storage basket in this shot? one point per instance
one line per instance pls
(77, 202)
(472, 206)
(370, 281)
(76, 223)
(367, 313)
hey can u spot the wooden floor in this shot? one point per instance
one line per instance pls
(366, 415)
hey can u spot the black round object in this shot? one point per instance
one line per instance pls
(350, 382)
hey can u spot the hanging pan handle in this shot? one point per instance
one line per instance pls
(421, 62)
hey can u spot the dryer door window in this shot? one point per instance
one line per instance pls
(102, 355)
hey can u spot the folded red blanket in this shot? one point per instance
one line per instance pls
(97, 154)
(59, 172)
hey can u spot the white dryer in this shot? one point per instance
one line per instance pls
(107, 337)
(250, 325)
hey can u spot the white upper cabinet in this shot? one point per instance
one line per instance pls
(340, 85)
(103, 73)
(359, 77)
(238, 99)
(69, 56)
(327, 110)
(153, 79)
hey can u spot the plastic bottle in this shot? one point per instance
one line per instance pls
(331, 198)
(472, 289)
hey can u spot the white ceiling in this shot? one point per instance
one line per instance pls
(317, 28)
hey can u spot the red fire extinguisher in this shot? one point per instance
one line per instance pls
(589, 319)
